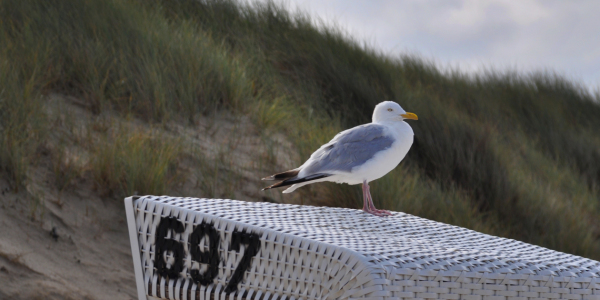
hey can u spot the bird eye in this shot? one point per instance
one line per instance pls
(389, 109)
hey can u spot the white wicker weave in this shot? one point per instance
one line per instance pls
(306, 252)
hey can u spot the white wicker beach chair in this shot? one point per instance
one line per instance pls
(190, 248)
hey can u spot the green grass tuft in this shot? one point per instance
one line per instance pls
(515, 155)
(22, 123)
(134, 163)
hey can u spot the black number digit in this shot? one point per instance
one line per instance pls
(211, 257)
(252, 242)
(164, 245)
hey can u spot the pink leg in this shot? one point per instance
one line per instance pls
(368, 205)
(365, 199)
(373, 205)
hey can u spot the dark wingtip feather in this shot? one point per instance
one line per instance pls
(296, 180)
(283, 175)
(274, 186)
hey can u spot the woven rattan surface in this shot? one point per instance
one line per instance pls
(227, 249)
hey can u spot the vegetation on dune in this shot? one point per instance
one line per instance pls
(508, 154)
(134, 163)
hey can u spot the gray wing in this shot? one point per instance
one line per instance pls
(348, 149)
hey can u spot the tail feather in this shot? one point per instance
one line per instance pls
(283, 175)
(296, 180)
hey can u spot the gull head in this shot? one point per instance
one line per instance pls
(390, 111)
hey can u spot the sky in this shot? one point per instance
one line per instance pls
(473, 36)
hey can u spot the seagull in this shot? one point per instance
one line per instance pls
(357, 155)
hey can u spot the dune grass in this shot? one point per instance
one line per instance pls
(21, 123)
(510, 154)
(134, 162)
(116, 55)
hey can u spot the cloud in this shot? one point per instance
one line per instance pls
(525, 35)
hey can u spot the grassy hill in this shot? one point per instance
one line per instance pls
(509, 154)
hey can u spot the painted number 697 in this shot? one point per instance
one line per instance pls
(211, 257)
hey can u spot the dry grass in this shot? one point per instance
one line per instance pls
(515, 155)
(134, 163)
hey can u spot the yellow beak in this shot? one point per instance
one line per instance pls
(410, 115)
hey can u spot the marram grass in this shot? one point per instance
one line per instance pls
(510, 154)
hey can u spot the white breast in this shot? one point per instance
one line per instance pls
(385, 161)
